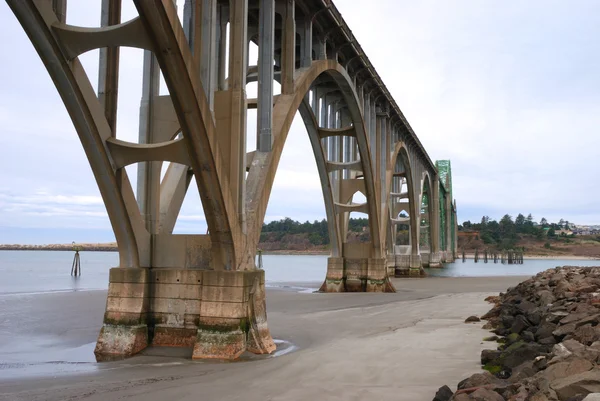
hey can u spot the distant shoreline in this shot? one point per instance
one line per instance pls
(112, 247)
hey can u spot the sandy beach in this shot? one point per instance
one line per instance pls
(400, 346)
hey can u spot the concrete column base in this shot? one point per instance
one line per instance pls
(435, 260)
(357, 275)
(220, 314)
(413, 268)
(125, 330)
(233, 316)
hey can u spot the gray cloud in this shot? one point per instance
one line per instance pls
(508, 91)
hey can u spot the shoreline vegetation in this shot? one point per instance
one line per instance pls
(289, 237)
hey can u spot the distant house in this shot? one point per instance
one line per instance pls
(565, 232)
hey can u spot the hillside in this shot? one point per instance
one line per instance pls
(580, 246)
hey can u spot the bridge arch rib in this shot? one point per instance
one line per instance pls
(359, 136)
(337, 188)
(399, 174)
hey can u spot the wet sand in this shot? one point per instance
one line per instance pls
(401, 346)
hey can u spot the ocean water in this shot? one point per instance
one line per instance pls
(25, 272)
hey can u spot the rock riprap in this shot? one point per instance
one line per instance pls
(549, 341)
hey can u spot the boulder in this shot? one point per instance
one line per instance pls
(557, 316)
(489, 355)
(472, 319)
(528, 336)
(521, 352)
(443, 394)
(535, 317)
(545, 330)
(520, 323)
(567, 368)
(484, 394)
(587, 334)
(582, 383)
(592, 397)
(560, 351)
(564, 330)
(478, 380)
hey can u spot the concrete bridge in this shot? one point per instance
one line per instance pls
(204, 291)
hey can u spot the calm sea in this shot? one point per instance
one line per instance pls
(49, 271)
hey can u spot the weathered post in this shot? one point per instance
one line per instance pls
(76, 267)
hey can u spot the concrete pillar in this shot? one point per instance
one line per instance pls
(288, 62)
(324, 123)
(108, 71)
(223, 18)
(200, 27)
(449, 228)
(434, 224)
(148, 181)
(266, 49)
(306, 45)
(322, 49)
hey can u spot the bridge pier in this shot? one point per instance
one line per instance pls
(357, 275)
(435, 260)
(220, 314)
(409, 266)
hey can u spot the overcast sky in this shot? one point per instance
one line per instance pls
(508, 91)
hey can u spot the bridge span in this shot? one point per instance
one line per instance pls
(204, 291)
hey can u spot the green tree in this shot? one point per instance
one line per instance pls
(520, 223)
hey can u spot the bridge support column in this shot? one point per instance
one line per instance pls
(220, 314)
(357, 275)
(125, 329)
(416, 266)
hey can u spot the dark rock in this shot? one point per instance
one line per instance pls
(472, 319)
(491, 338)
(501, 331)
(540, 363)
(521, 352)
(507, 320)
(523, 371)
(520, 323)
(443, 394)
(488, 355)
(545, 330)
(526, 307)
(535, 317)
(547, 341)
(528, 336)
(512, 338)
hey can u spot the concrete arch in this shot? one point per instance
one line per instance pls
(426, 187)
(264, 165)
(400, 153)
(79, 98)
